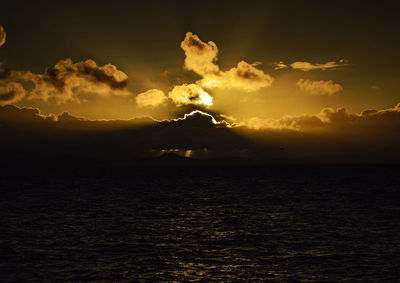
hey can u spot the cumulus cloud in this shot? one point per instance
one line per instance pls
(11, 92)
(3, 35)
(200, 56)
(152, 97)
(67, 80)
(190, 94)
(319, 87)
(245, 76)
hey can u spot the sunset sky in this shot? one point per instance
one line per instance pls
(297, 67)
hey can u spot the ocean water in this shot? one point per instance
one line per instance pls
(172, 224)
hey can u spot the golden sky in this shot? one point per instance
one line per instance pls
(298, 58)
(261, 66)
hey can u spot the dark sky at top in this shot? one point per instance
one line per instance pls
(42, 32)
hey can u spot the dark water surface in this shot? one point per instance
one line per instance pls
(287, 223)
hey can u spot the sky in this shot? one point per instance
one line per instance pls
(277, 74)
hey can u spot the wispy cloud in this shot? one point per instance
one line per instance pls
(319, 87)
(307, 66)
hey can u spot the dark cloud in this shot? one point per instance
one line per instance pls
(333, 135)
(197, 43)
(11, 92)
(196, 118)
(72, 138)
(67, 80)
(5, 72)
(13, 114)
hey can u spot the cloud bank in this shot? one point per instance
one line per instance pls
(329, 119)
(332, 135)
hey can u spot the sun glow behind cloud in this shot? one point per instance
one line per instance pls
(242, 92)
(190, 94)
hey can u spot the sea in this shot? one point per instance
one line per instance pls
(284, 223)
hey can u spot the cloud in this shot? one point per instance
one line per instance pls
(14, 116)
(67, 80)
(3, 35)
(280, 65)
(245, 77)
(329, 119)
(297, 123)
(332, 135)
(307, 66)
(152, 97)
(200, 56)
(5, 72)
(322, 120)
(319, 87)
(200, 118)
(28, 135)
(11, 92)
(190, 94)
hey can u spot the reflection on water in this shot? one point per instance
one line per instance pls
(227, 224)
